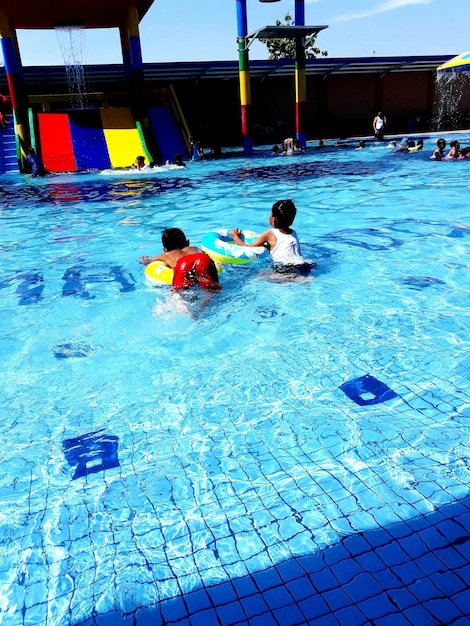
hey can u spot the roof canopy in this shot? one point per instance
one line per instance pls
(47, 14)
(460, 63)
(285, 32)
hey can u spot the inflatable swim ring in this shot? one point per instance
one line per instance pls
(219, 245)
(158, 273)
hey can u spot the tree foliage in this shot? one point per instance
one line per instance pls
(285, 48)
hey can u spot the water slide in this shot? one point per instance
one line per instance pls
(100, 138)
(8, 156)
(167, 133)
(89, 139)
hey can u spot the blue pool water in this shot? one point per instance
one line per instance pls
(278, 453)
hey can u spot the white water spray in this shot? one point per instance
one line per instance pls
(73, 47)
(452, 100)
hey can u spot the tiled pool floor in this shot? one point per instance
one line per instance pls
(415, 572)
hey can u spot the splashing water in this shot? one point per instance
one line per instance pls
(73, 48)
(451, 106)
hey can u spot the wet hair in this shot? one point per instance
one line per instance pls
(174, 239)
(441, 142)
(284, 212)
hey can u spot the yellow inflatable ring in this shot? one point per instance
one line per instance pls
(219, 245)
(158, 273)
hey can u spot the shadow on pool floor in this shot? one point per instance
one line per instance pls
(415, 572)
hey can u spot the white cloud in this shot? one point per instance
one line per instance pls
(384, 7)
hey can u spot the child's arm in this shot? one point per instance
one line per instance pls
(150, 259)
(268, 237)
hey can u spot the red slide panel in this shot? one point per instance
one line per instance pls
(56, 142)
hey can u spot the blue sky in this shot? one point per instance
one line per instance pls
(206, 30)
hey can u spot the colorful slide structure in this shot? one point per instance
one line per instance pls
(166, 133)
(8, 155)
(89, 139)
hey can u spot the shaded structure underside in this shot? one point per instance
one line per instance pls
(48, 14)
(226, 70)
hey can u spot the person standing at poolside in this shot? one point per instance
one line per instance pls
(378, 126)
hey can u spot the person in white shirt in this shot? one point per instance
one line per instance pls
(281, 240)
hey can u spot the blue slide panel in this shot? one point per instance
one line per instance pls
(166, 133)
(8, 157)
(88, 141)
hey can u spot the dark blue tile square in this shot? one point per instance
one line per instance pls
(371, 562)
(231, 613)
(452, 531)
(276, 598)
(254, 605)
(414, 546)
(335, 554)
(387, 579)
(424, 590)
(314, 607)
(408, 573)
(451, 557)
(311, 563)
(347, 570)
(448, 582)
(263, 620)
(462, 600)
(379, 537)
(433, 538)
(223, 593)
(197, 601)
(464, 574)
(243, 587)
(402, 598)
(399, 530)
(267, 579)
(377, 606)
(301, 588)
(204, 618)
(290, 570)
(289, 616)
(324, 580)
(174, 610)
(392, 554)
(337, 599)
(429, 564)
(443, 610)
(350, 616)
(356, 544)
(362, 587)
(367, 390)
(418, 614)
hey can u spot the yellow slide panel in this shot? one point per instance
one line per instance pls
(121, 135)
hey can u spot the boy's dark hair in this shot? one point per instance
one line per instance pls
(284, 212)
(174, 239)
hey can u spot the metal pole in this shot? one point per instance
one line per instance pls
(244, 77)
(300, 81)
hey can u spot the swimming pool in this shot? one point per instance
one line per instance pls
(281, 454)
